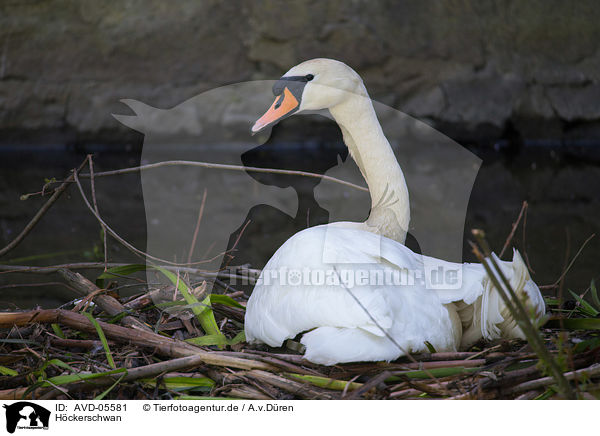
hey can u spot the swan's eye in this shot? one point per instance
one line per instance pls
(309, 77)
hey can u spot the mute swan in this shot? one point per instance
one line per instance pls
(357, 291)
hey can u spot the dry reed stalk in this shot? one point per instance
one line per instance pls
(161, 344)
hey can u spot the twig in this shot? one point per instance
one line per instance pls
(200, 213)
(302, 390)
(161, 344)
(38, 216)
(93, 188)
(123, 242)
(246, 392)
(226, 167)
(234, 246)
(589, 372)
(76, 343)
(131, 374)
(107, 303)
(112, 232)
(514, 228)
(6, 269)
(574, 259)
(524, 244)
(373, 383)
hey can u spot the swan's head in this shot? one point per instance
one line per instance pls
(311, 85)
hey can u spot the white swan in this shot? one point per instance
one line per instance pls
(356, 290)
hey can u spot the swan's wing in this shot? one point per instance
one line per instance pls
(312, 281)
(276, 313)
(341, 283)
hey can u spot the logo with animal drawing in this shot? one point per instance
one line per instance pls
(25, 415)
(289, 224)
(213, 152)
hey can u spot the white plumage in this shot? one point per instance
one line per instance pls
(355, 290)
(345, 322)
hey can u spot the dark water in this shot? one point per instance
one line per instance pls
(559, 182)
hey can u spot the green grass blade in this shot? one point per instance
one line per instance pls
(547, 394)
(207, 340)
(586, 307)
(550, 301)
(57, 331)
(325, 382)
(201, 310)
(7, 371)
(105, 393)
(430, 347)
(225, 300)
(123, 270)
(575, 323)
(588, 344)
(219, 339)
(179, 382)
(102, 337)
(436, 372)
(73, 378)
(240, 337)
(60, 364)
(594, 293)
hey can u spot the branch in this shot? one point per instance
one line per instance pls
(161, 344)
(38, 216)
(225, 167)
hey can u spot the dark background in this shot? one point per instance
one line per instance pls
(515, 82)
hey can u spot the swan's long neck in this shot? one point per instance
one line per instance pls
(368, 146)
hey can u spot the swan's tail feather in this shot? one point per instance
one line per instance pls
(491, 318)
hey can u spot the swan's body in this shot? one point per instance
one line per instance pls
(373, 319)
(353, 321)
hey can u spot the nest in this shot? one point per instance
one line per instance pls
(107, 346)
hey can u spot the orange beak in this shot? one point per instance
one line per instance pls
(282, 106)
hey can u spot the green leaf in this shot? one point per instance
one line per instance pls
(57, 331)
(225, 300)
(60, 364)
(325, 382)
(219, 339)
(102, 337)
(56, 362)
(123, 270)
(240, 337)
(73, 378)
(436, 372)
(179, 382)
(588, 344)
(105, 393)
(118, 317)
(586, 307)
(207, 340)
(575, 323)
(594, 292)
(7, 371)
(202, 310)
(430, 347)
(547, 394)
